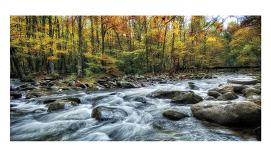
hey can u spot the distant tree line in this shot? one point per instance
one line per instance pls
(89, 45)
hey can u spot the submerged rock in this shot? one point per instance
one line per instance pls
(187, 98)
(193, 86)
(74, 99)
(140, 99)
(102, 113)
(244, 82)
(232, 113)
(174, 115)
(57, 105)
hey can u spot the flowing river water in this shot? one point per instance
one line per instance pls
(144, 121)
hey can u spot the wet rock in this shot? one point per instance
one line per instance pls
(187, 98)
(57, 105)
(102, 113)
(140, 99)
(33, 95)
(26, 86)
(167, 94)
(244, 82)
(213, 93)
(76, 126)
(48, 101)
(174, 115)
(74, 99)
(231, 113)
(193, 86)
(15, 95)
(228, 96)
(251, 91)
(237, 88)
(225, 88)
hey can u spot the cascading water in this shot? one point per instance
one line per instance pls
(137, 117)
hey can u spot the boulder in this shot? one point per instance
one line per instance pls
(167, 94)
(251, 91)
(102, 113)
(187, 98)
(33, 95)
(57, 105)
(244, 82)
(74, 99)
(230, 113)
(228, 96)
(15, 95)
(238, 88)
(214, 94)
(222, 89)
(174, 115)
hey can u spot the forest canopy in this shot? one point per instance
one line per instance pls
(114, 45)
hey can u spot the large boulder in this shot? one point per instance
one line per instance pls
(231, 113)
(251, 91)
(238, 88)
(174, 115)
(57, 105)
(228, 96)
(222, 89)
(187, 98)
(244, 82)
(102, 113)
(167, 94)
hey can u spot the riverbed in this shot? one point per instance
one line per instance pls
(30, 119)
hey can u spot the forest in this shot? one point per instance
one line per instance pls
(115, 45)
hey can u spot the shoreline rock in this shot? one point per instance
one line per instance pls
(229, 113)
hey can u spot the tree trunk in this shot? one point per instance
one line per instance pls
(79, 63)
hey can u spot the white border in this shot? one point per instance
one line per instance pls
(134, 7)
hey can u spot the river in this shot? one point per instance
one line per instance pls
(144, 121)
